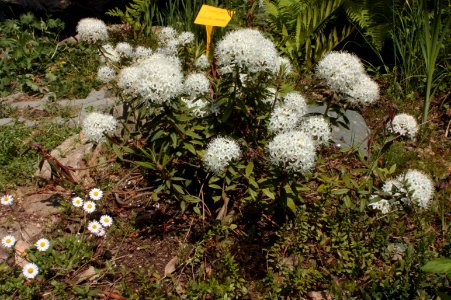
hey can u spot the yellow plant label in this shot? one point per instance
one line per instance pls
(213, 16)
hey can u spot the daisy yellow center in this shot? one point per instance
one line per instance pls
(30, 270)
(89, 205)
(94, 226)
(106, 220)
(42, 244)
(8, 241)
(78, 201)
(96, 193)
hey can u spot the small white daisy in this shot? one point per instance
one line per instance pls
(89, 207)
(94, 227)
(42, 245)
(30, 270)
(101, 232)
(95, 194)
(7, 200)
(77, 202)
(106, 220)
(8, 241)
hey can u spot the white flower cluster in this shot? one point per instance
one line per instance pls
(404, 125)
(142, 52)
(185, 38)
(293, 151)
(198, 108)
(382, 205)
(96, 125)
(287, 115)
(284, 64)
(92, 30)
(363, 92)
(248, 50)
(318, 127)
(166, 35)
(125, 50)
(156, 79)
(283, 119)
(202, 62)
(170, 40)
(127, 79)
(220, 153)
(345, 75)
(106, 74)
(271, 96)
(108, 52)
(196, 84)
(412, 187)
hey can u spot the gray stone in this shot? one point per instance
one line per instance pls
(6, 121)
(355, 137)
(41, 205)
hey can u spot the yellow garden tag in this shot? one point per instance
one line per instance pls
(211, 16)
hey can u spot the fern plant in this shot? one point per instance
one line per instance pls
(306, 30)
(140, 15)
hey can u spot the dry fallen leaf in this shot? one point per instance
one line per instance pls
(170, 266)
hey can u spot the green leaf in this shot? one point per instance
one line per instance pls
(146, 164)
(193, 134)
(249, 168)
(252, 182)
(118, 151)
(268, 193)
(291, 205)
(178, 188)
(340, 191)
(197, 210)
(441, 265)
(190, 148)
(182, 206)
(215, 186)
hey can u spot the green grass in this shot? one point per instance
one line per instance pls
(18, 165)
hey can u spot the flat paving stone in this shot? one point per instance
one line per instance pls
(355, 137)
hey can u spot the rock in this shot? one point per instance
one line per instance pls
(355, 137)
(71, 153)
(319, 296)
(20, 252)
(88, 274)
(42, 205)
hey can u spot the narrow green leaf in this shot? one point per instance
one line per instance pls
(441, 265)
(249, 168)
(190, 148)
(146, 164)
(291, 205)
(268, 193)
(197, 210)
